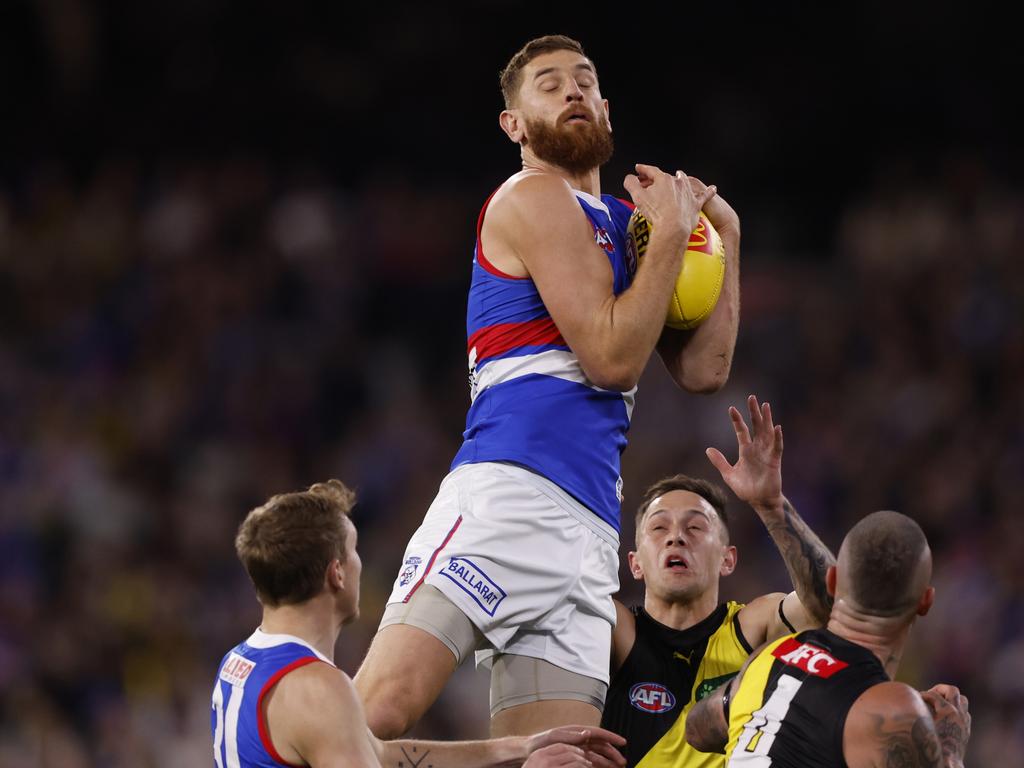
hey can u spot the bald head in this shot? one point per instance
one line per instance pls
(884, 565)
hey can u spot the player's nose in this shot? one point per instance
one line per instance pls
(573, 92)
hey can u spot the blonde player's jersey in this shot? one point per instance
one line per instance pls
(791, 704)
(666, 673)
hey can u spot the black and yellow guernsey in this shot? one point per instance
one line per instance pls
(792, 703)
(667, 671)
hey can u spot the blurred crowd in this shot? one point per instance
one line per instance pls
(180, 342)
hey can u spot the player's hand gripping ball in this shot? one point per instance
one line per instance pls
(700, 280)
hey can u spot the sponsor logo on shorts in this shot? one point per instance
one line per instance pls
(409, 570)
(236, 669)
(651, 697)
(475, 583)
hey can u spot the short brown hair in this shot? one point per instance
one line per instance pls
(511, 75)
(287, 544)
(885, 551)
(708, 491)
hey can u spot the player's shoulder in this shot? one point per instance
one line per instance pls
(532, 190)
(317, 681)
(889, 718)
(890, 699)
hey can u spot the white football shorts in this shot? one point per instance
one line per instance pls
(530, 566)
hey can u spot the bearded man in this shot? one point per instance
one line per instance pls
(517, 557)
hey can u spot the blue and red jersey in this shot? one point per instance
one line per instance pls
(532, 403)
(245, 676)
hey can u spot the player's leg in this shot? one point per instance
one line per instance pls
(530, 695)
(416, 650)
(555, 671)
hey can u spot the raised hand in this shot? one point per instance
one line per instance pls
(669, 203)
(756, 478)
(571, 744)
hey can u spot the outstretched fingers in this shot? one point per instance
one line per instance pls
(738, 424)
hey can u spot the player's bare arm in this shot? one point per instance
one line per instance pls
(890, 726)
(538, 222)
(700, 360)
(623, 636)
(756, 478)
(707, 727)
(589, 746)
(707, 724)
(314, 717)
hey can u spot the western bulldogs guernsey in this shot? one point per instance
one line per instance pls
(247, 673)
(532, 404)
(667, 671)
(791, 705)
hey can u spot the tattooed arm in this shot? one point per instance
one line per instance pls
(756, 478)
(314, 717)
(572, 746)
(707, 724)
(890, 726)
(952, 722)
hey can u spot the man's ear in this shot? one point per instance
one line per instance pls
(334, 578)
(925, 603)
(729, 559)
(512, 125)
(634, 566)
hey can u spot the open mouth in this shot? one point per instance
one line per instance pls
(676, 564)
(577, 117)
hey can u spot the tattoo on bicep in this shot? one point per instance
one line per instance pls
(913, 747)
(411, 761)
(806, 558)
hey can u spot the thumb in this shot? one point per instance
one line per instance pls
(718, 461)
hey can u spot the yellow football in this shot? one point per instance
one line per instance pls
(700, 280)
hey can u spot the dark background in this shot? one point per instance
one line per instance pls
(234, 249)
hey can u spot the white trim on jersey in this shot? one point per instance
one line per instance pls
(593, 202)
(218, 731)
(261, 639)
(557, 363)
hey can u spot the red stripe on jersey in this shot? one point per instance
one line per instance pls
(261, 716)
(497, 339)
(626, 203)
(480, 258)
(433, 557)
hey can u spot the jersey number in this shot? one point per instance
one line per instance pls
(225, 727)
(759, 731)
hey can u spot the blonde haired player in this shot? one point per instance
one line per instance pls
(517, 557)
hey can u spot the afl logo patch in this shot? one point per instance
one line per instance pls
(651, 697)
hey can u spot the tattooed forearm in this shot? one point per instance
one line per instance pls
(414, 760)
(706, 728)
(807, 560)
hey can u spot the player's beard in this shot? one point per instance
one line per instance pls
(577, 148)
